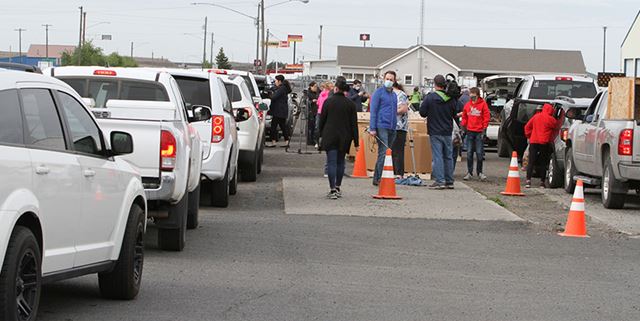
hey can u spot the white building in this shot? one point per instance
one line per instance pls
(321, 69)
(630, 50)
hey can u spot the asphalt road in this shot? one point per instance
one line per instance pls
(253, 262)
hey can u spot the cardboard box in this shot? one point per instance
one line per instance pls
(624, 99)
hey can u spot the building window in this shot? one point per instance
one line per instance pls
(347, 75)
(408, 80)
(638, 67)
(628, 67)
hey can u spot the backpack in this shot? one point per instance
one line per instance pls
(452, 89)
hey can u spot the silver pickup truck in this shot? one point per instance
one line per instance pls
(603, 153)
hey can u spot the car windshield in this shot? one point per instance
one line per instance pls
(196, 91)
(550, 89)
(501, 86)
(233, 91)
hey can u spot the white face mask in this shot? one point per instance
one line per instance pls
(388, 83)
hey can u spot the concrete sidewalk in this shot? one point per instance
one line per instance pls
(307, 196)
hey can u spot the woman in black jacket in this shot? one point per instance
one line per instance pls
(279, 111)
(338, 128)
(312, 105)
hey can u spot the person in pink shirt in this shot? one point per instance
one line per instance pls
(326, 88)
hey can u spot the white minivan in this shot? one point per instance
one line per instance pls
(69, 205)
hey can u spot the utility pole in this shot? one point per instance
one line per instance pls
(20, 30)
(604, 48)
(84, 28)
(264, 37)
(46, 45)
(294, 52)
(211, 51)
(204, 48)
(256, 68)
(534, 42)
(421, 40)
(320, 51)
(266, 53)
(80, 37)
(132, 50)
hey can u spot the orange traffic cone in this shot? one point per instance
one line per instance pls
(513, 180)
(360, 165)
(387, 187)
(576, 223)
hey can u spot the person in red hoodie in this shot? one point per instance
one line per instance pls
(475, 118)
(541, 130)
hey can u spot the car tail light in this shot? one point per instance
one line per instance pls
(217, 129)
(564, 78)
(625, 142)
(218, 71)
(167, 151)
(104, 73)
(564, 134)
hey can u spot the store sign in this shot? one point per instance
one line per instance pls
(365, 37)
(284, 44)
(294, 38)
(273, 43)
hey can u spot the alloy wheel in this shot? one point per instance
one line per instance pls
(26, 285)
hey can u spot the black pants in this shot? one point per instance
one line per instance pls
(282, 122)
(311, 129)
(397, 152)
(539, 156)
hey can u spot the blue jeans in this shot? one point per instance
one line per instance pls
(335, 167)
(441, 151)
(387, 136)
(475, 145)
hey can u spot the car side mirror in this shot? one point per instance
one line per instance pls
(200, 113)
(121, 143)
(589, 118)
(263, 107)
(242, 114)
(265, 95)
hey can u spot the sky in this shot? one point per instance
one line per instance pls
(174, 28)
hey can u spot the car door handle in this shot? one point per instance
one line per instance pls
(42, 170)
(89, 173)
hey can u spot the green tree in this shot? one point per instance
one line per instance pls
(272, 65)
(222, 61)
(207, 64)
(90, 55)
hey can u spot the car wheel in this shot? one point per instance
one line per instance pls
(503, 148)
(555, 175)
(569, 172)
(609, 198)
(220, 190)
(194, 208)
(173, 239)
(123, 282)
(233, 185)
(20, 279)
(250, 170)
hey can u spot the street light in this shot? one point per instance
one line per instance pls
(283, 2)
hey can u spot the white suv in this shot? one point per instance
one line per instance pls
(68, 205)
(218, 135)
(251, 135)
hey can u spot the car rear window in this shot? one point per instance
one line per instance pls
(102, 90)
(233, 91)
(11, 131)
(195, 91)
(550, 89)
(140, 90)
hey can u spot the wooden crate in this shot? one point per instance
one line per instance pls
(624, 99)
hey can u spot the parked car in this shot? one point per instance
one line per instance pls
(20, 67)
(603, 152)
(545, 88)
(251, 133)
(218, 135)
(70, 205)
(497, 90)
(149, 105)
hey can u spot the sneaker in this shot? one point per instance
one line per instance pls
(338, 192)
(467, 177)
(449, 186)
(315, 146)
(376, 183)
(482, 176)
(437, 185)
(270, 145)
(332, 195)
(527, 183)
(286, 144)
(542, 185)
(325, 175)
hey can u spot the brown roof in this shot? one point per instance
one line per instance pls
(481, 59)
(155, 62)
(365, 57)
(8, 54)
(55, 51)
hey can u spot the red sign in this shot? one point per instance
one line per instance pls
(284, 44)
(365, 37)
(294, 38)
(294, 66)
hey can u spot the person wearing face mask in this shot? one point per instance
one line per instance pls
(280, 111)
(356, 94)
(383, 120)
(475, 118)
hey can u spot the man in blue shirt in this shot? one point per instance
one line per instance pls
(382, 122)
(440, 110)
(356, 94)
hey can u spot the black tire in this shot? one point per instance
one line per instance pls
(555, 174)
(503, 147)
(569, 172)
(20, 279)
(261, 157)
(233, 185)
(194, 209)
(174, 239)
(123, 282)
(249, 171)
(220, 190)
(609, 183)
